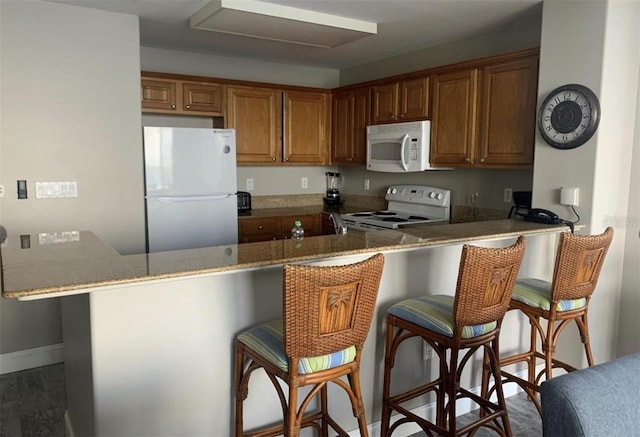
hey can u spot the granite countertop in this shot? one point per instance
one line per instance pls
(82, 263)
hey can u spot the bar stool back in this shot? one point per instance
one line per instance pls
(566, 298)
(468, 321)
(327, 315)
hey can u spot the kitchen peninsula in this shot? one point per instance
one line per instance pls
(148, 337)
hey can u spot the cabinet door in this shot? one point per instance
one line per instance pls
(259, 229)
(306, 127)
(158, 95)
(385, 103)
(311, 223)
(255, 115)
(361, 119)
(351, 116)
(508, 112)
(414, 99)
(202, 98)
(453, 118)
(342, 127)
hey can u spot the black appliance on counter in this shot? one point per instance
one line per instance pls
(521, 203)
(333, 189)
(244, 201)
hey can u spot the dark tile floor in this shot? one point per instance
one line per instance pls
(33, 402)
(523, 417)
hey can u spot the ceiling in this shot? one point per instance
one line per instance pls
(403, 26)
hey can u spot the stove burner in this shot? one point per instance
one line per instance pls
(361, 214)
(417, 217)
(385, 213)
(394, 219)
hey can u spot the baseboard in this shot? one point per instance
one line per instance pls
(30, 358)
(427, 411)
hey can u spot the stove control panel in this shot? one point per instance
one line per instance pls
(419, 194)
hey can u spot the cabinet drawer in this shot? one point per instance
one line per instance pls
(259, 229)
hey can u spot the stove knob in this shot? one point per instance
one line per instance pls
(388, 190)
(432, 195)
(394, 190)
(439, 196)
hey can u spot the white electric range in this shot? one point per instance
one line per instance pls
(406, 205)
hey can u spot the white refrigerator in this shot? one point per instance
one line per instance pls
(190, 188)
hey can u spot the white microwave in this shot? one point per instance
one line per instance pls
(399, 147)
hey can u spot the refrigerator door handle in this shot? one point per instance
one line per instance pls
(176, 199)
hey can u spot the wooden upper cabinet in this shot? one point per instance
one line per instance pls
(255, 114)
(508, 112)
(453, 118)
(485, 117)
(159, 95)
(306, 127)
(405, 100)
(202, 97)
(350, 117)
(181, 97)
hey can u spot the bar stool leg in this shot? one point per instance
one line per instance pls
(240, 394)
(292, 426)
(358, 406)
(324, 406)
(583, 326)
(388, 365)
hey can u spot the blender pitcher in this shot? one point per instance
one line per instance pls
(333, 189)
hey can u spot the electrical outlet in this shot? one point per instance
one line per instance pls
(569, 196)
(249, 184)
(366, 184)
(507, 195)
(304, 183)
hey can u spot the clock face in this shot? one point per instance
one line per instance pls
(569, 116)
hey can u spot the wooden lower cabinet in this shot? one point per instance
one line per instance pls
(255, 229)
(252, 229)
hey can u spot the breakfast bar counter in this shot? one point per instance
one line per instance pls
(80, 262)
(148, 338)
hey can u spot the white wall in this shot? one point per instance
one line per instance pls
(596, 45)
(70, 111)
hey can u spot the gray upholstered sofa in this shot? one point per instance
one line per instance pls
(603, 400)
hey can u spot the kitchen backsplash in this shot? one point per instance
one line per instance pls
(459, 213)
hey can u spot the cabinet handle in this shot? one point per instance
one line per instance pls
(188, 106)
(273, 159)
(467, 159)
(260, 227)
(482, 159)
(173, 106)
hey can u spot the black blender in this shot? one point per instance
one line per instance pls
(333, 189)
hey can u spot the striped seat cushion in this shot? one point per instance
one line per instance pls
(536, 293)
(268, 340)
(435, 313)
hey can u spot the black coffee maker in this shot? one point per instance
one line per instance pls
(521, 203)
(333, 189)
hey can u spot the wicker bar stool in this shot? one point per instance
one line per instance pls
(578, 263)
(455, 326)
(327, 315)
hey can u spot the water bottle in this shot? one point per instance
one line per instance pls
(297, 233)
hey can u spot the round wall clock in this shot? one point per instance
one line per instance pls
(569, 116)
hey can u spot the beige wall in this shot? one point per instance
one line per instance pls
(596, 45)
(522, 32)
(69, 112)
